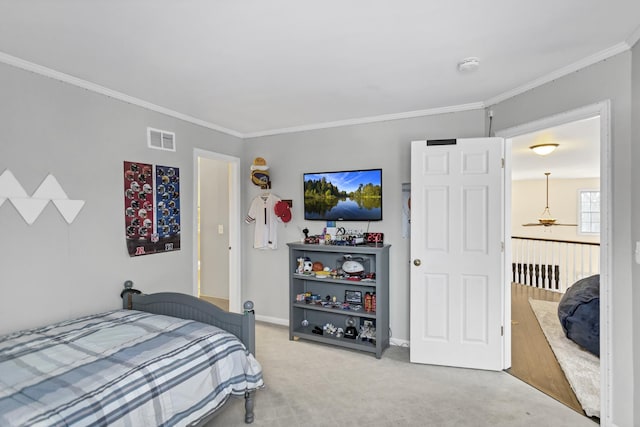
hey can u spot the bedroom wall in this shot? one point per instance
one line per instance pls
(528, 200)
(635, 215)
(385, 145)
(610, 79)
(51, 270)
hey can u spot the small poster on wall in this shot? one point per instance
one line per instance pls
(151, 208)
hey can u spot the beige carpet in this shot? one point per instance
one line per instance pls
(310, 384)
(581, 368)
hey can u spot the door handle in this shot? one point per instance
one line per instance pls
(417, 262)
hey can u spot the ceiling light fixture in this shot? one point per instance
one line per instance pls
(546, 220)
(544, 149)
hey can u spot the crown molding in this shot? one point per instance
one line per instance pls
(75, 81)
(585, 62)
(633, 38)
(371, 119)
(571, 68)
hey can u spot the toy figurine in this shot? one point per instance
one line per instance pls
(307, 266)
(300, 268)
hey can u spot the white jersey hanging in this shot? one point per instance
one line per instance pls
(263, 215)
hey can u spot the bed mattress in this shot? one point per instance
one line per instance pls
(122, 367)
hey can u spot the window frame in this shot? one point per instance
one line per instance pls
(580, 212)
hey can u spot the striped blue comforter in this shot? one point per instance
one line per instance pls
(123, 367)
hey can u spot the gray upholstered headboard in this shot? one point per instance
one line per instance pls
(192, 308)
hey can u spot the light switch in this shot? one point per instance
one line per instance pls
(220, 229)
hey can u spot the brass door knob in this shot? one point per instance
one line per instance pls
(417, 262)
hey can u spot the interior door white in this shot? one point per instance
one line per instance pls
(457, 257)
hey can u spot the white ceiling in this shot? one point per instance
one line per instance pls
(258, 67)
(577, 155)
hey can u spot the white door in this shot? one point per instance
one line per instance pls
(457, 230)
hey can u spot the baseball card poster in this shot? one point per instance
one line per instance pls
(152, 208)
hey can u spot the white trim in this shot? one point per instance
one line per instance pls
(585, 62)
(235, 270)
(633, 38)
(586, 112)
(371, 119)
(602, 109)
(571, 68)
(273, 320)
(399, 343)
(75, 81)
(506, 254)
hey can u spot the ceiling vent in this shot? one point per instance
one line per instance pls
(161, 139)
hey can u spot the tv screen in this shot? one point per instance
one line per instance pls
(343, 196)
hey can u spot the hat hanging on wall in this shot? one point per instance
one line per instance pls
(260, 173)
(282, 211)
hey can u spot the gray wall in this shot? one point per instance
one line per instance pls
(51, 270)
(385, 145)
(635, 215)
(83, 138)
(610, 79)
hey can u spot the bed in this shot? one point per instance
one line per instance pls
(165, 359)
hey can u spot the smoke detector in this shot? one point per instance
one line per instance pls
(468, 64)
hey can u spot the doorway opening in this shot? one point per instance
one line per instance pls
(216, 267)
(560, 247)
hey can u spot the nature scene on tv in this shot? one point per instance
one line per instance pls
(348, 195)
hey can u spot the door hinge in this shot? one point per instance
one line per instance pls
(501, 331)
(501, 246)
(502, 161)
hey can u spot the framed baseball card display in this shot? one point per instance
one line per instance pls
(168, 208)
(151, 208)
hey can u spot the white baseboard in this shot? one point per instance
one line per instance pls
(398, 342)
(274, 320)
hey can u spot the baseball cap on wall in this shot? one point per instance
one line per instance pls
(282, 211)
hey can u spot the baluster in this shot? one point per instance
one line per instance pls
(537, 273)
(550, 275)
(557, 273)
(543, 275)
(530, 274)
(513, 272)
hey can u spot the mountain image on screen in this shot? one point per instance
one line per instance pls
(343, 196)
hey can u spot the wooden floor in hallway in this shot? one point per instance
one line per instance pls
(532, 359)
(220, 302)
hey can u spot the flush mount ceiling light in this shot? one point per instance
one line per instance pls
(544, 149)
(468, 64)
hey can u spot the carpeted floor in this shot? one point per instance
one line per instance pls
(309, 384)
(581, 368)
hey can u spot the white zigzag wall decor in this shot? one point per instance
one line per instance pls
(31, 207)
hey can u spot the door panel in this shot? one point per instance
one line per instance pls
(456, 234)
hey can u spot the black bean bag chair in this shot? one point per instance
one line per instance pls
(579, 313)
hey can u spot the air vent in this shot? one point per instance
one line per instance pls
(161, 139)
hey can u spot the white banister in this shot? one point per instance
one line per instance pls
(553, 264)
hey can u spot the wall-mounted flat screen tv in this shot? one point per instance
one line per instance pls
(354, 195)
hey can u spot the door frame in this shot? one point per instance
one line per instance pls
(235, 290)
(603, 110)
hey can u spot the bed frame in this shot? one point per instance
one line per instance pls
(189, 307)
